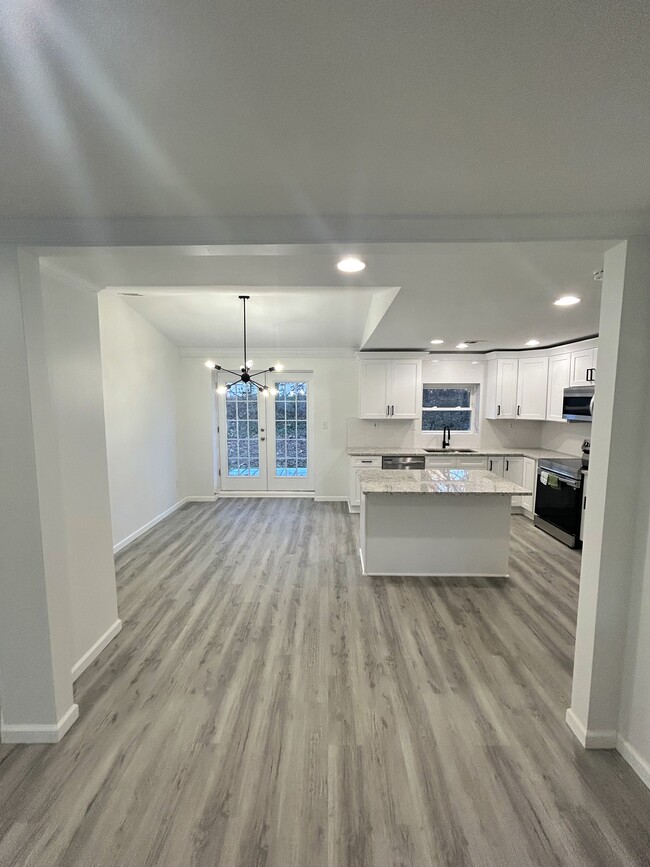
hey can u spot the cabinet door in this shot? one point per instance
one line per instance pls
(532, 377)
(473, 462)
(514, 472)
(374, 380)
(495, 465)
(559, 377)
(406, 389)
(434, 462)
(529, 482)
(582, 362)
(507, 369)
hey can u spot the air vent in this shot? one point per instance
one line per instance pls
(598, 276)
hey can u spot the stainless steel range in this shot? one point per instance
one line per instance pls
(558, 498)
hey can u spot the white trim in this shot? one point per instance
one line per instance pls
(209, 499)
(591, 739)
(273, 495)
(93, 652)
(39, 734)
(294, 352)
(62, 276)
(452, 575)
(332, 499)
(634, 759)
(146, 527)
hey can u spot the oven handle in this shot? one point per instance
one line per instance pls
(571, 483)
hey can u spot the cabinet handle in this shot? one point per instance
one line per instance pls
(499, 409)
(392, 410)
(518, 410)
(507, 466)
(490, 466)
(366, 462)
(388, 410)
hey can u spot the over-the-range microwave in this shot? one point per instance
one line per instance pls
(578, 403)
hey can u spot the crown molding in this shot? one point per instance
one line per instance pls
(296, 352)
(77, 282)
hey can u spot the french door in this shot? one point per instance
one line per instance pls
(265, 443)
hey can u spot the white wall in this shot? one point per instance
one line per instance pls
(141, 380)
(634, 719)
(334, 389)
(565, 437)
(74, 362)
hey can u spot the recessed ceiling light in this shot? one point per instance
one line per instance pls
(462, 345)
(532, 342)
(567, 301)
(350, 265)
(437, 341)
(475, 362)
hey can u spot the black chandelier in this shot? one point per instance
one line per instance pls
(246, 372)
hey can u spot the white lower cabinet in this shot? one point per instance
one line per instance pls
(512, 469)
(530, 482)
(358, 463)
(456, 462)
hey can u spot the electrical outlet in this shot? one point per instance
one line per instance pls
(326, 425)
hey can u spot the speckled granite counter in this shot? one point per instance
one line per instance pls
(437, 481)
(535, 454)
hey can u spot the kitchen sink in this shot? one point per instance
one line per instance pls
(450, 450)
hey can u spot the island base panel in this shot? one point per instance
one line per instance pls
(445, 535)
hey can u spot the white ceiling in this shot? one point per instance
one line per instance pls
(499, 293)
(305, 107)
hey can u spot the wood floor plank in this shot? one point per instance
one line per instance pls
(266, 704)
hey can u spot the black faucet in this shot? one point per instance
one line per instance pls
(446, 437)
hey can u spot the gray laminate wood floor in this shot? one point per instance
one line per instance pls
(267, 705)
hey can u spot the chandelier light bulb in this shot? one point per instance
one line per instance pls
(249, 364)
(273, 391)
(221, 389)
(210, 364)
(279, 366)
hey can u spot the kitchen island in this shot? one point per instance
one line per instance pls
(438, 522)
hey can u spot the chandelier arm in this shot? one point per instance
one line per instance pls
(234, 373)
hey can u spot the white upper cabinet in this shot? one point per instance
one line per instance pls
(406, 398)
(583, 366)
(532, 377)
(502, 388)
(390, 389)
(559, 377)
(373, 389)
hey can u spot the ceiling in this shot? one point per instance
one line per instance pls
(305, 107)
(500, 294)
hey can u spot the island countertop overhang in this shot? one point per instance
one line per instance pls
(438, 481)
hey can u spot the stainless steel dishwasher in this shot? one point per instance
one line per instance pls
(401, 462)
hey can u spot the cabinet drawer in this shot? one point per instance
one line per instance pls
(369, 463)
(477, 462)
(432, 463)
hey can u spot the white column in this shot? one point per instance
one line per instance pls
(622, 393)
(36, 698)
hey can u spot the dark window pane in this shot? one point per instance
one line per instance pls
(445, 397)
(439, 419)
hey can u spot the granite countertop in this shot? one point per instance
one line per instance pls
(513, 451)
(437, 481)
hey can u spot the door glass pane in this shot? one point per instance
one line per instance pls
(291, 429)
(242, 431)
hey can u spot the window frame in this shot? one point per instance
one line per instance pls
(472, 387)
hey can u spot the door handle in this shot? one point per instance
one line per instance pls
(262, 438)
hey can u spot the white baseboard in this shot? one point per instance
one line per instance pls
(90, 655)
(136, 535)
(39, 734)
(284, 495)
(591, 739)
(331, 499)
(210, 499)
(634, 759)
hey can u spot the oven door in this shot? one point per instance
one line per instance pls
(558, 509)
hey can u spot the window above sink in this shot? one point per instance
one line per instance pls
(452, 406)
